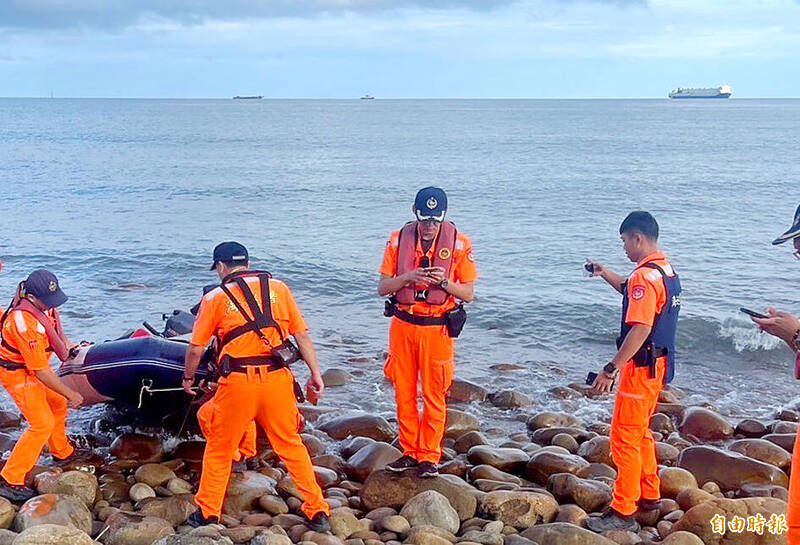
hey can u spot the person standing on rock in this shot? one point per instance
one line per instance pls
(31, 332)
(644, 362)
(786, 327)
(252, 315)
(426, 266)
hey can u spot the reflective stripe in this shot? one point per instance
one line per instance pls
(213, 293)
(39, 327)
(631, 396)
(459, 244)
(19, 319)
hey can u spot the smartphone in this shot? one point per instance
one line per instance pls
(589, 268)
(590, 378)
(752, 313)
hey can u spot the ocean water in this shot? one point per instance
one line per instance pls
(124, 200)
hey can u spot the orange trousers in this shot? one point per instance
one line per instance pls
(46, 413)
(246, 447)
(793, 510)
(420, 354)
(267, 398)
(633, 448)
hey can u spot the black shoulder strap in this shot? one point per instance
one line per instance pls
(651, 265)
(260, 319)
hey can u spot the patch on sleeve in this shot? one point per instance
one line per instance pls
(637, 292)
(470, 256)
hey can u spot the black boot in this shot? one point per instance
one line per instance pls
(16, 492)
(319, 523)
(401, 464)
(427, 470)
(197, 519)
(611, 519)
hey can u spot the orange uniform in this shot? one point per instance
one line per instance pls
(793, 509)
(260, 395)
(423, 352)
(44, 409)
(632, 443)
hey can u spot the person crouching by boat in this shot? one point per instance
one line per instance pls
(786, 327)
(31, 332)
(426, 266)
(252, 315)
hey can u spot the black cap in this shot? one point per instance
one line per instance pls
(794, 230)
(44, 285)
(228, 252)
(431, 203)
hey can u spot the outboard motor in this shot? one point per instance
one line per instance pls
(178, 323)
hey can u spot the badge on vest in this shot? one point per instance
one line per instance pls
(445, 253)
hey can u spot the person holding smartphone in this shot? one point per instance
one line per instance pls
(644, 362)
(427, 265)
(786, 326)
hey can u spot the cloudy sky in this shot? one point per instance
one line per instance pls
(397, 48)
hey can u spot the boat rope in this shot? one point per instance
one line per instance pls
(147, 387)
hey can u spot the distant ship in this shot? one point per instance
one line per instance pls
(368, 97)
(723, 91)
(247, 97)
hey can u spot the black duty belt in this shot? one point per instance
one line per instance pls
(11, 365)
(240, 365)
(419, 320)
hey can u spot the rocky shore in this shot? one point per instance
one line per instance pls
(537, 484)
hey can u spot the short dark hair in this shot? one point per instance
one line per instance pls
(237, 263)
(640, 222)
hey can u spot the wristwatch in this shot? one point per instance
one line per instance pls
(796, 341)
(444, 283)
(610, 369)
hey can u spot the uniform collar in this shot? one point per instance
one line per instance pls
(658, 254)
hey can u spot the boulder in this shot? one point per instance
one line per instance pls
(689, 497)
(493, 474)
(666, 454)
(755, 490)
(135, 446)
(750, 428)
(359, 425)
(370, 458)
(385, 489)
(458, 423)
(701, 424)
(675, 479)
(510, 399)
(244, 490)
(344, 523)
(698, 520)
(571, 513)
(544, 436)
(597, 450)
(566, 441)
(509, 460)
(763, 450)
(80, 484)
(52, 534)
(7, 513)
(519, 509)
(336, 377)
(154, 475)
(469, 440)
(591, 496)
(175, 509)
(466, 391)
(562, 533)
(543, 464)
(729, 470)
(784, 440)
(662, 424)
(353, 445)
(430, 508)
(59, 509)
(140, 491)
(144, 531)
(682, 538)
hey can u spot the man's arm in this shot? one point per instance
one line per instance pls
(47, 377)
(630, 346)
(315, 385)
(614, 280)
(392, 284)
(465, 292)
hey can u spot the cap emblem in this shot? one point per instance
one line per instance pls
(432, 203)
(52, 287)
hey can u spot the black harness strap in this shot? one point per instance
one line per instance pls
(260, 320)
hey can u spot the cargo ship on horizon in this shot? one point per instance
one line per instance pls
(723, 91)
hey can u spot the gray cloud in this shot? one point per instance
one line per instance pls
(105, 14)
